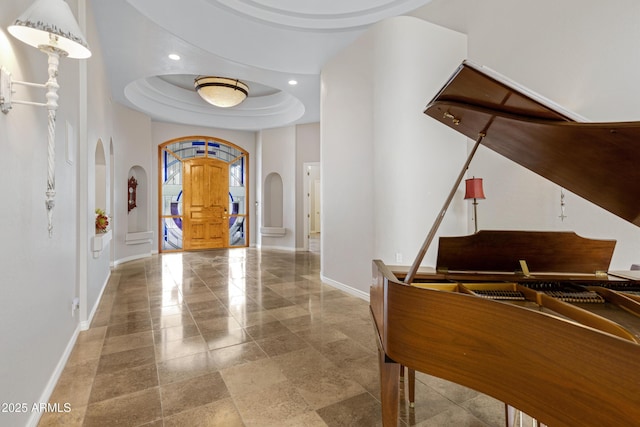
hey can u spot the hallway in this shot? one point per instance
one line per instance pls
(240, 337)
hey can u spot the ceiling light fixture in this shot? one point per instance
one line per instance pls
(50, 26)
(221, 91)
(293, 82)
(174, 56)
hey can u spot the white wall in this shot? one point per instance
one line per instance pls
(416, 159)
(96, 124)
(42, 275)
(346, 135)
(386, 169)
(38, 278)
(583, 55)
(285, 151)
(279, 156)
(131, 140)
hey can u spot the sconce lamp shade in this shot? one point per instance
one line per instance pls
(474, 189)
(50, 24)
(221, 91)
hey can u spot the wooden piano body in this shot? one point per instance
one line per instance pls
(556, 361)
(559, 372)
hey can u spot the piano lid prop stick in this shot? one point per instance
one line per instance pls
(525, 268)
(432, 233)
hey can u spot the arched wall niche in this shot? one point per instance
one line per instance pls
(102, 236)
(111, 195)
(100, 177)
(138, 217)
(273, 201)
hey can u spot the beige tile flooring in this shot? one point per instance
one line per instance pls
(240, 337)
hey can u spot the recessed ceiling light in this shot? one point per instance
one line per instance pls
(293, 82)
(174, 56)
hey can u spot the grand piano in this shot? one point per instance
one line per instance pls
(534, 319)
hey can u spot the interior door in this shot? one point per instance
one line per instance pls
(316, 206)
(205, 204)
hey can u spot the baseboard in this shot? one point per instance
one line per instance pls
(85, 324)
(132, 258)
(34, 419)
(348, 289)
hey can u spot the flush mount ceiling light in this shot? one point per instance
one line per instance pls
(221, 91)
(48, 25)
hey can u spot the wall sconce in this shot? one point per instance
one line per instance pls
(474, 191)
(50, 26)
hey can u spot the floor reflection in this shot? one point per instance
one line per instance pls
(240, 337)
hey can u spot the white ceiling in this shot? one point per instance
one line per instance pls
(264, 43)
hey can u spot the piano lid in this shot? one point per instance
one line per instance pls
(597, 161)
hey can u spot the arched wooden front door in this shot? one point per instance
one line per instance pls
(202, 194)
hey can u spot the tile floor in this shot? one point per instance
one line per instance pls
(240, 337)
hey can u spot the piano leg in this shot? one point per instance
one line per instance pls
(411, 374)
(510, 415)
(412, 387)
(389, 389)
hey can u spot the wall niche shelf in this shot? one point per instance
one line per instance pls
(273, 231)
(138, 238)
(99, 242)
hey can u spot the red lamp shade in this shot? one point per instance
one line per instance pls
(474, 189)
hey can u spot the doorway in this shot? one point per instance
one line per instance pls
(203, 194)
(312, 207)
